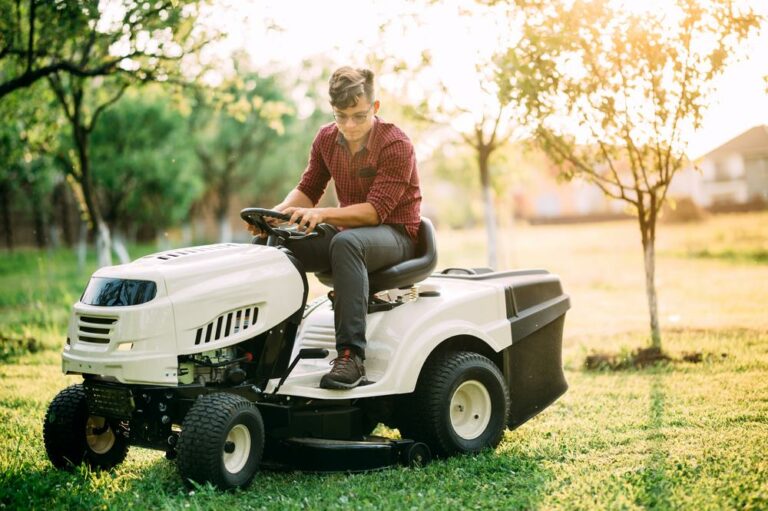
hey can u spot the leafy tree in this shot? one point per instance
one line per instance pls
(89, 38)
(130, 42)
(144, 169)
(612, 93)
(235, 127)
(27, 142)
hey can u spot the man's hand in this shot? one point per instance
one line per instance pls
(256, 231)
(306, 218)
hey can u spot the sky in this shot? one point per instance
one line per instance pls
(347, 30)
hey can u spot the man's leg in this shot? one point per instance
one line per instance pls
(314, 253)
(353, 254)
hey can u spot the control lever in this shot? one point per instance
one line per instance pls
(304, 353)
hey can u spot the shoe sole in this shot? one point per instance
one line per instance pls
(337, 385)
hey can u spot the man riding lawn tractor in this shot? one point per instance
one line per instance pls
(213, 355)
(373, 165)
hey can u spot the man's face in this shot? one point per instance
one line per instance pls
(356, 121)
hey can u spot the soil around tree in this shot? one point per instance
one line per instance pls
(645, 357)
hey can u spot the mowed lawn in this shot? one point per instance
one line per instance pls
(677, 436)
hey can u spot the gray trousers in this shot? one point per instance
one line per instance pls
(350, 255)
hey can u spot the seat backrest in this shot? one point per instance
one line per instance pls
(413, 270)
(406, 272)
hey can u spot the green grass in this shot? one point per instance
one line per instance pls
(676, 436)
(758, 256)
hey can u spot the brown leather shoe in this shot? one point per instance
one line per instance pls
(347, 373)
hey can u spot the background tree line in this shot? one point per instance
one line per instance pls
(113, 113)
(106, 115)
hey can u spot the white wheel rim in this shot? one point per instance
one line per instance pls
(470, 409)
(99, 441)
(234, 461)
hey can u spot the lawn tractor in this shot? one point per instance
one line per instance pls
(213, 355)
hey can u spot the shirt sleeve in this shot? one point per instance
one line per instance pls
(316, 176)
(393, 176)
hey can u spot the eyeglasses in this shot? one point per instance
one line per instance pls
(358, 118)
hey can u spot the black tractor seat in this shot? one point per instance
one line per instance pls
(406, 273)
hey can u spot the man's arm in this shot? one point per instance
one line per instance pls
(355, 215)
(295, 199)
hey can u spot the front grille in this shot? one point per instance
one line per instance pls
(95, 329)
(107, 401)
(229, 323)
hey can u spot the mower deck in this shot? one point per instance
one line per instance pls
(322, 455)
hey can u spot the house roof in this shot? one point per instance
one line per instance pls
(754, 140)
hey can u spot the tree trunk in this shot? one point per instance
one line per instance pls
(649, 258)
(186, 234)
(62, 211)
(82, 247)
(490, 213)
(103, 237)
(225, 228)
(119, 245)
(5, 201)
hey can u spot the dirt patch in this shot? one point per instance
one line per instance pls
(645, 357)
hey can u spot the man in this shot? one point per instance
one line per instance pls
(376, 223)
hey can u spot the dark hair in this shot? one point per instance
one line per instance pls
(347, 85)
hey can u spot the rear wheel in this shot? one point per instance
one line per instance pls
(460, 405)
(73, 436)
(221, 442)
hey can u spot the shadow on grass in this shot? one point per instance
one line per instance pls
(489, 480)
(654, 482)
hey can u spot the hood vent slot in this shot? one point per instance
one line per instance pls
(175, 254)
(227, 324)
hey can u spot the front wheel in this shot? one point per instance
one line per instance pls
(221, 442)
(460, 405)
(73, 436)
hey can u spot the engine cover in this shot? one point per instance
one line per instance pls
(205, 298)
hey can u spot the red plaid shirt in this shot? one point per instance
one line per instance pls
(383, 173)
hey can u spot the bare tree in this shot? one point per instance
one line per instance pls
(613, 94)
(482, 119)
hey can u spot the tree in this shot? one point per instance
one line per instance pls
(88, 38)
(612, 93)
(28, 139)
(144, 170)
(122, 44)
(235, 127)
(483, 119)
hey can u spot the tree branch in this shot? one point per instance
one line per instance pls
(31, 38)
(565, 153)
(58, 89)
(104, 106)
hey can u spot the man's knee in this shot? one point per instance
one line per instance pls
(345, 243)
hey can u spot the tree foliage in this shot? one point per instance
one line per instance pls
(612, 93)
(144, 168)
(88, 38)
(235, 126)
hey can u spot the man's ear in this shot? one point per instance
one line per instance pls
(376, 105)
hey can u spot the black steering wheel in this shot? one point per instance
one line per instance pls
(258, 216)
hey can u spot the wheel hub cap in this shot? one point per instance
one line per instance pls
(470, 409)
(99, 435)
(237, 449)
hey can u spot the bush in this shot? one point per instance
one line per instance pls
(682, 211)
